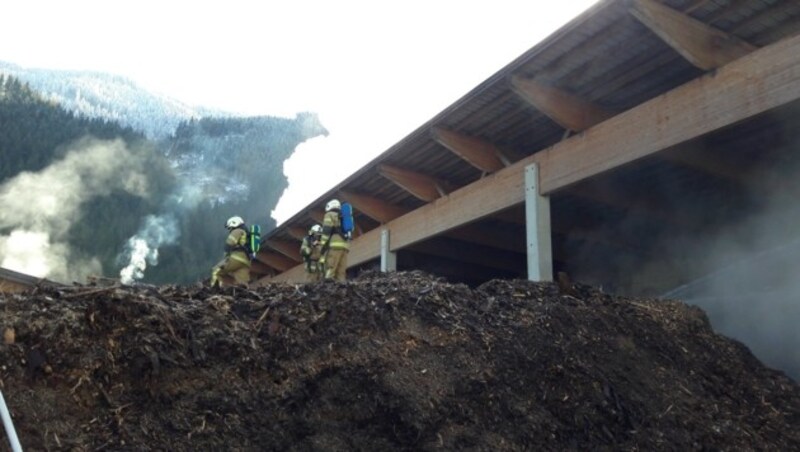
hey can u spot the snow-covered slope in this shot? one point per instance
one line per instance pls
(112, 97)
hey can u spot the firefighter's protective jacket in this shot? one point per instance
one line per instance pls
(332, 232)
(310, 248)
(236, 245)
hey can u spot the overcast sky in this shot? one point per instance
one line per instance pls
(374, 71)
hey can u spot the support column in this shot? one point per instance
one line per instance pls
(388, 258)
(537, 226)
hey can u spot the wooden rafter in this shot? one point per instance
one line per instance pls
(704, 105)
(261, 269)
(276, 261)
(317, 215)
(704, 46)
(298, 232)
(477, 152)
(375, 208)
(420, 185)
(288, 249)
(569, 111)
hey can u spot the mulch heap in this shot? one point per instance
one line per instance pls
(402, 361)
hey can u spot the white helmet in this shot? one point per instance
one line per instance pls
(333, 204)
(234, 222)
(316, 229)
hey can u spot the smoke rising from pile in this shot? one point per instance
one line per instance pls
(751, 289)
(142, 249)
(39, 208)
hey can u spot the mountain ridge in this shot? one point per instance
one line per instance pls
(95, 94)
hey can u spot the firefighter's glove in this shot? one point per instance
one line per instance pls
(321, 260)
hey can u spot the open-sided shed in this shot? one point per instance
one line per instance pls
(633, 135)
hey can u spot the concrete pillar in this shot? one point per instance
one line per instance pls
(388, 258)
(537, 225)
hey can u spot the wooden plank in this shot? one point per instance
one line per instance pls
(478, 200)
(288, 249)
(704, 46)
(373, 207)
(260, 269)
(317, 215)
(297, 232)
(479, 153)
(365, 247)
(275, 260)
(420, 185)
(763, 80)
(569, 111)
(296, 274)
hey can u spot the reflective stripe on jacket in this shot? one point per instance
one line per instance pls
(332, 232)
(236, 244)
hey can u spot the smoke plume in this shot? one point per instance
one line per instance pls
(142, 248)
(39, 208)
(750, 288)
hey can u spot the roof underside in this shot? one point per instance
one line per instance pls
(610, 59)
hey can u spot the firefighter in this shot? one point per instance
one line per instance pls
(335, 245)
(311, 250)
(237, 261)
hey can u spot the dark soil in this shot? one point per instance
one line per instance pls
(398, 362)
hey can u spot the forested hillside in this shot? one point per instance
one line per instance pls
(110, 97)
(228, 166)
(85, 187)
(33, 130)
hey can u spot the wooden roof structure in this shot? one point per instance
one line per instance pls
(13, 281)
(630, 110)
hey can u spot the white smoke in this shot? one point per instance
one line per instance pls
(39, 208)
(142, 248)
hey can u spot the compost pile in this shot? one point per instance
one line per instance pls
(385, 362)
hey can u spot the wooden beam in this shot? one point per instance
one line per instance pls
(692, 110)
(317, 215)
(569, 111)
(288, 249)
(377, 209)
(477, 152)
(420, 185)
(298, 232)
(704, 46)
(706, 104)
(296, 274)
(260, 269)
(471, 254)
(276, 261)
